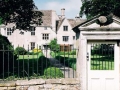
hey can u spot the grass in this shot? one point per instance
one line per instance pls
(21, 57)
(69, 56)
(102, 62)
(27, 67)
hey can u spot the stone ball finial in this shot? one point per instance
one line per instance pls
(102, 19)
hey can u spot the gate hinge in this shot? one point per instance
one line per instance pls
(87, 56)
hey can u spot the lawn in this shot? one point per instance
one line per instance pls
(102, 62)
(70, 56)
(21, 57)
(30, 65)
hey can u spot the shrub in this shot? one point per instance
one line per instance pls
(54, 54)
(35, 50)
(20, 51)
(43, 63)
(54, 46)
(70, 62)
(53, 72)
(36, 65)
(74, 66)
(73, 52)
(6, 56)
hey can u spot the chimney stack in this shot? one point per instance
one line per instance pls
(63, 12)
(77, 18)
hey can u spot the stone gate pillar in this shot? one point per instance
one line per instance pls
(92, 31)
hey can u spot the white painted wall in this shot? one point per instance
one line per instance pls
(18, 39)
(62, 33)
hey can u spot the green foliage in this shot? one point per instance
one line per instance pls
(74, 66)
(70, 62)
(21, 12)
(43, 63)
(73, 52)
(35, 50)
(54, 54)
(54, 46)
(103, 49)
(53, 72)
(6, 54)
(20, 51)
(103, 7)
(34, 64)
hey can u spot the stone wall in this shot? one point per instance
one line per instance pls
(42, 84)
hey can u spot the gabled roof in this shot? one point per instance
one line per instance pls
(86, 22)
(47, 17)
(58, 23)
(72, 22)
(93, 20)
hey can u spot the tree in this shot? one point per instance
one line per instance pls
(54, 46)
(20, 12)
(102, 7)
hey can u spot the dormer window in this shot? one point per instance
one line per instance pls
(45, 28)
(65, 28)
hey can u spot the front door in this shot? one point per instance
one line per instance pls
(103, 66)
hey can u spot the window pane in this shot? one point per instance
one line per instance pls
(9, 31)
(32, 30)
(45, 36)
(65, 28)
(32, 45)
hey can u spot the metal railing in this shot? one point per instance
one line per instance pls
(40, 63)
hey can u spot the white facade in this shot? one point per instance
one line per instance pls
(48, 28)
(70, 33)
(25, 39)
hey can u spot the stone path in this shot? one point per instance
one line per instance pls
(67, 71)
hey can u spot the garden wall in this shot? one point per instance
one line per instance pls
(42, 84)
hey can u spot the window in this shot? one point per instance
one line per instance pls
(40, 47)
(65, 28)
(32, 45)
(65, 38)
(65, 47)
(73, 37)
(45, 28)
(32, 30)
(9, 31)
(45, 36)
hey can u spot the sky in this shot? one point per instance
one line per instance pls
(72, 7)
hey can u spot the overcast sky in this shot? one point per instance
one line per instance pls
(72, 7)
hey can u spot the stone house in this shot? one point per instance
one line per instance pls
(53, 26)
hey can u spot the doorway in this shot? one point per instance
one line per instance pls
(103, 66)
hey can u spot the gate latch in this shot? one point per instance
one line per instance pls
(87, 56)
